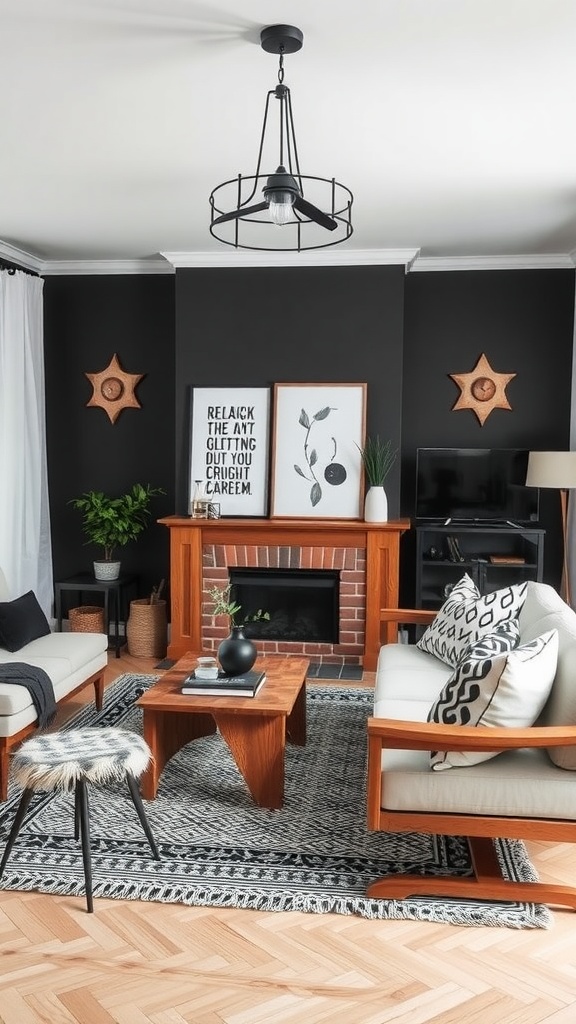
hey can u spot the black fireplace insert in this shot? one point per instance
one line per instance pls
(303, 604)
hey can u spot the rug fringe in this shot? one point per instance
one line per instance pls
(470, 914)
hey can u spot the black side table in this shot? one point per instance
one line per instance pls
(115, 593)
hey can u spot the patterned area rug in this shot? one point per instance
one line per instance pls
(219, 849)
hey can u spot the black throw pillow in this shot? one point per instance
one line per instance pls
(21, 621)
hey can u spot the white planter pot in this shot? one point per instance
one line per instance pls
(376, 505)
(106, 570)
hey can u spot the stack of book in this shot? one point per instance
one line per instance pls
(246, 685)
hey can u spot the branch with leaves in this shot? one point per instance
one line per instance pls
(225, 605)
(334, 472)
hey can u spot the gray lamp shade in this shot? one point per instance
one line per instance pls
(551, 469)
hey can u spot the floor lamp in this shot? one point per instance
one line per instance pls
(558, 470)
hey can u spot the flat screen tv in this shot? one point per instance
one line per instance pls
(474, 485)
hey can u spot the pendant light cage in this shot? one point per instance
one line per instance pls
(297, 211)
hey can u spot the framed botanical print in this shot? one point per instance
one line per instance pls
(229, 451)
(316, 464)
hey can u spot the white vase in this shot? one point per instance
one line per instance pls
(106, 570)
(376, 505)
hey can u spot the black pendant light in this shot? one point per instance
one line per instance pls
(268, 210)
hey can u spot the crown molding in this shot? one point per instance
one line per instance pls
(54, 268)
(535, 261)
(21, 257)
(64, 267)
(169, 262)
(307, 258)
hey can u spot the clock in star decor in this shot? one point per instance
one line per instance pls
(114, 389)
(482, 390)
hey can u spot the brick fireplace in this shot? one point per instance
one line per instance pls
(365, 554)
(350, 562)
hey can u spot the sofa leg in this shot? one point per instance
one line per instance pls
(4, 767)
(99, 691)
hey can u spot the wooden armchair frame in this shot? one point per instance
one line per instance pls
(480, 829)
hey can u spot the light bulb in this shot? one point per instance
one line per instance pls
(280, 206)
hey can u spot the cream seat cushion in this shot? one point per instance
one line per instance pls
(520, 783)
(68, 658)
(410, 674)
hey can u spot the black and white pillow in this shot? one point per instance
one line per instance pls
(466, 616)
(492, 686)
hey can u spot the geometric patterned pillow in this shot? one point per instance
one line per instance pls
(466, 617)
(495, 687)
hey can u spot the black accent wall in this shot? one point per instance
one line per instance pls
(86, 320)
(401, 334)
(255, 327)
(523, 321)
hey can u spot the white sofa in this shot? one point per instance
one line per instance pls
(527, 791)
(72, 661)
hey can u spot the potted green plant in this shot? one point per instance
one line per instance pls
(378, 457)
(237, 653)
(113, 522)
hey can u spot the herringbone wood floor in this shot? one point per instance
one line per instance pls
(135, 963)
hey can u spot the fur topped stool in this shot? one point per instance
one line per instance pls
(70, 760)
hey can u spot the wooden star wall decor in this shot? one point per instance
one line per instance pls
(482, 390)
(114, 389)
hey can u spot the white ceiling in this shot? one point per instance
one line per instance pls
(452, 122)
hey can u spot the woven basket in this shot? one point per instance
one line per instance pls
(147, 629)
(87, 619)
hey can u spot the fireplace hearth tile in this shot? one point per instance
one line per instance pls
(351, 673)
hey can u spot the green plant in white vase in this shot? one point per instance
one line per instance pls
(111, 522)
(378, 457)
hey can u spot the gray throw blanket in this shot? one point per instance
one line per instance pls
(37, 682)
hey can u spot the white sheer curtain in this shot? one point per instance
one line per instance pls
(25, 549)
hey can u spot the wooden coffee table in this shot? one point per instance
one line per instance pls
(255, 728)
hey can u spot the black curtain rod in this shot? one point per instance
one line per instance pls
(12, 268)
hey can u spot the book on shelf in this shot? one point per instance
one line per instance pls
(246, 685)
(507, 560)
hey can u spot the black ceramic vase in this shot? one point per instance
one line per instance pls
(236, 653)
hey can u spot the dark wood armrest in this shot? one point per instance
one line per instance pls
(390, 618)
(393, 734)
(409, 615)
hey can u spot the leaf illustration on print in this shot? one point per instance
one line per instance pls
(315, 494)
(334, 473)
(323, 413)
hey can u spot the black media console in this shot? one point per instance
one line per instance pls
(494, 555)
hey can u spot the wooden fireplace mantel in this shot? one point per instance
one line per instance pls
(188, 537)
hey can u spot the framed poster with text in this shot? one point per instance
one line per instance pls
(229, 448)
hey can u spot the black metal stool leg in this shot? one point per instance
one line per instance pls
(137, 801)
(84, 817)
(76, 813)
(16, 826)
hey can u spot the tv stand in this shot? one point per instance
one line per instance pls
(495, 555)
